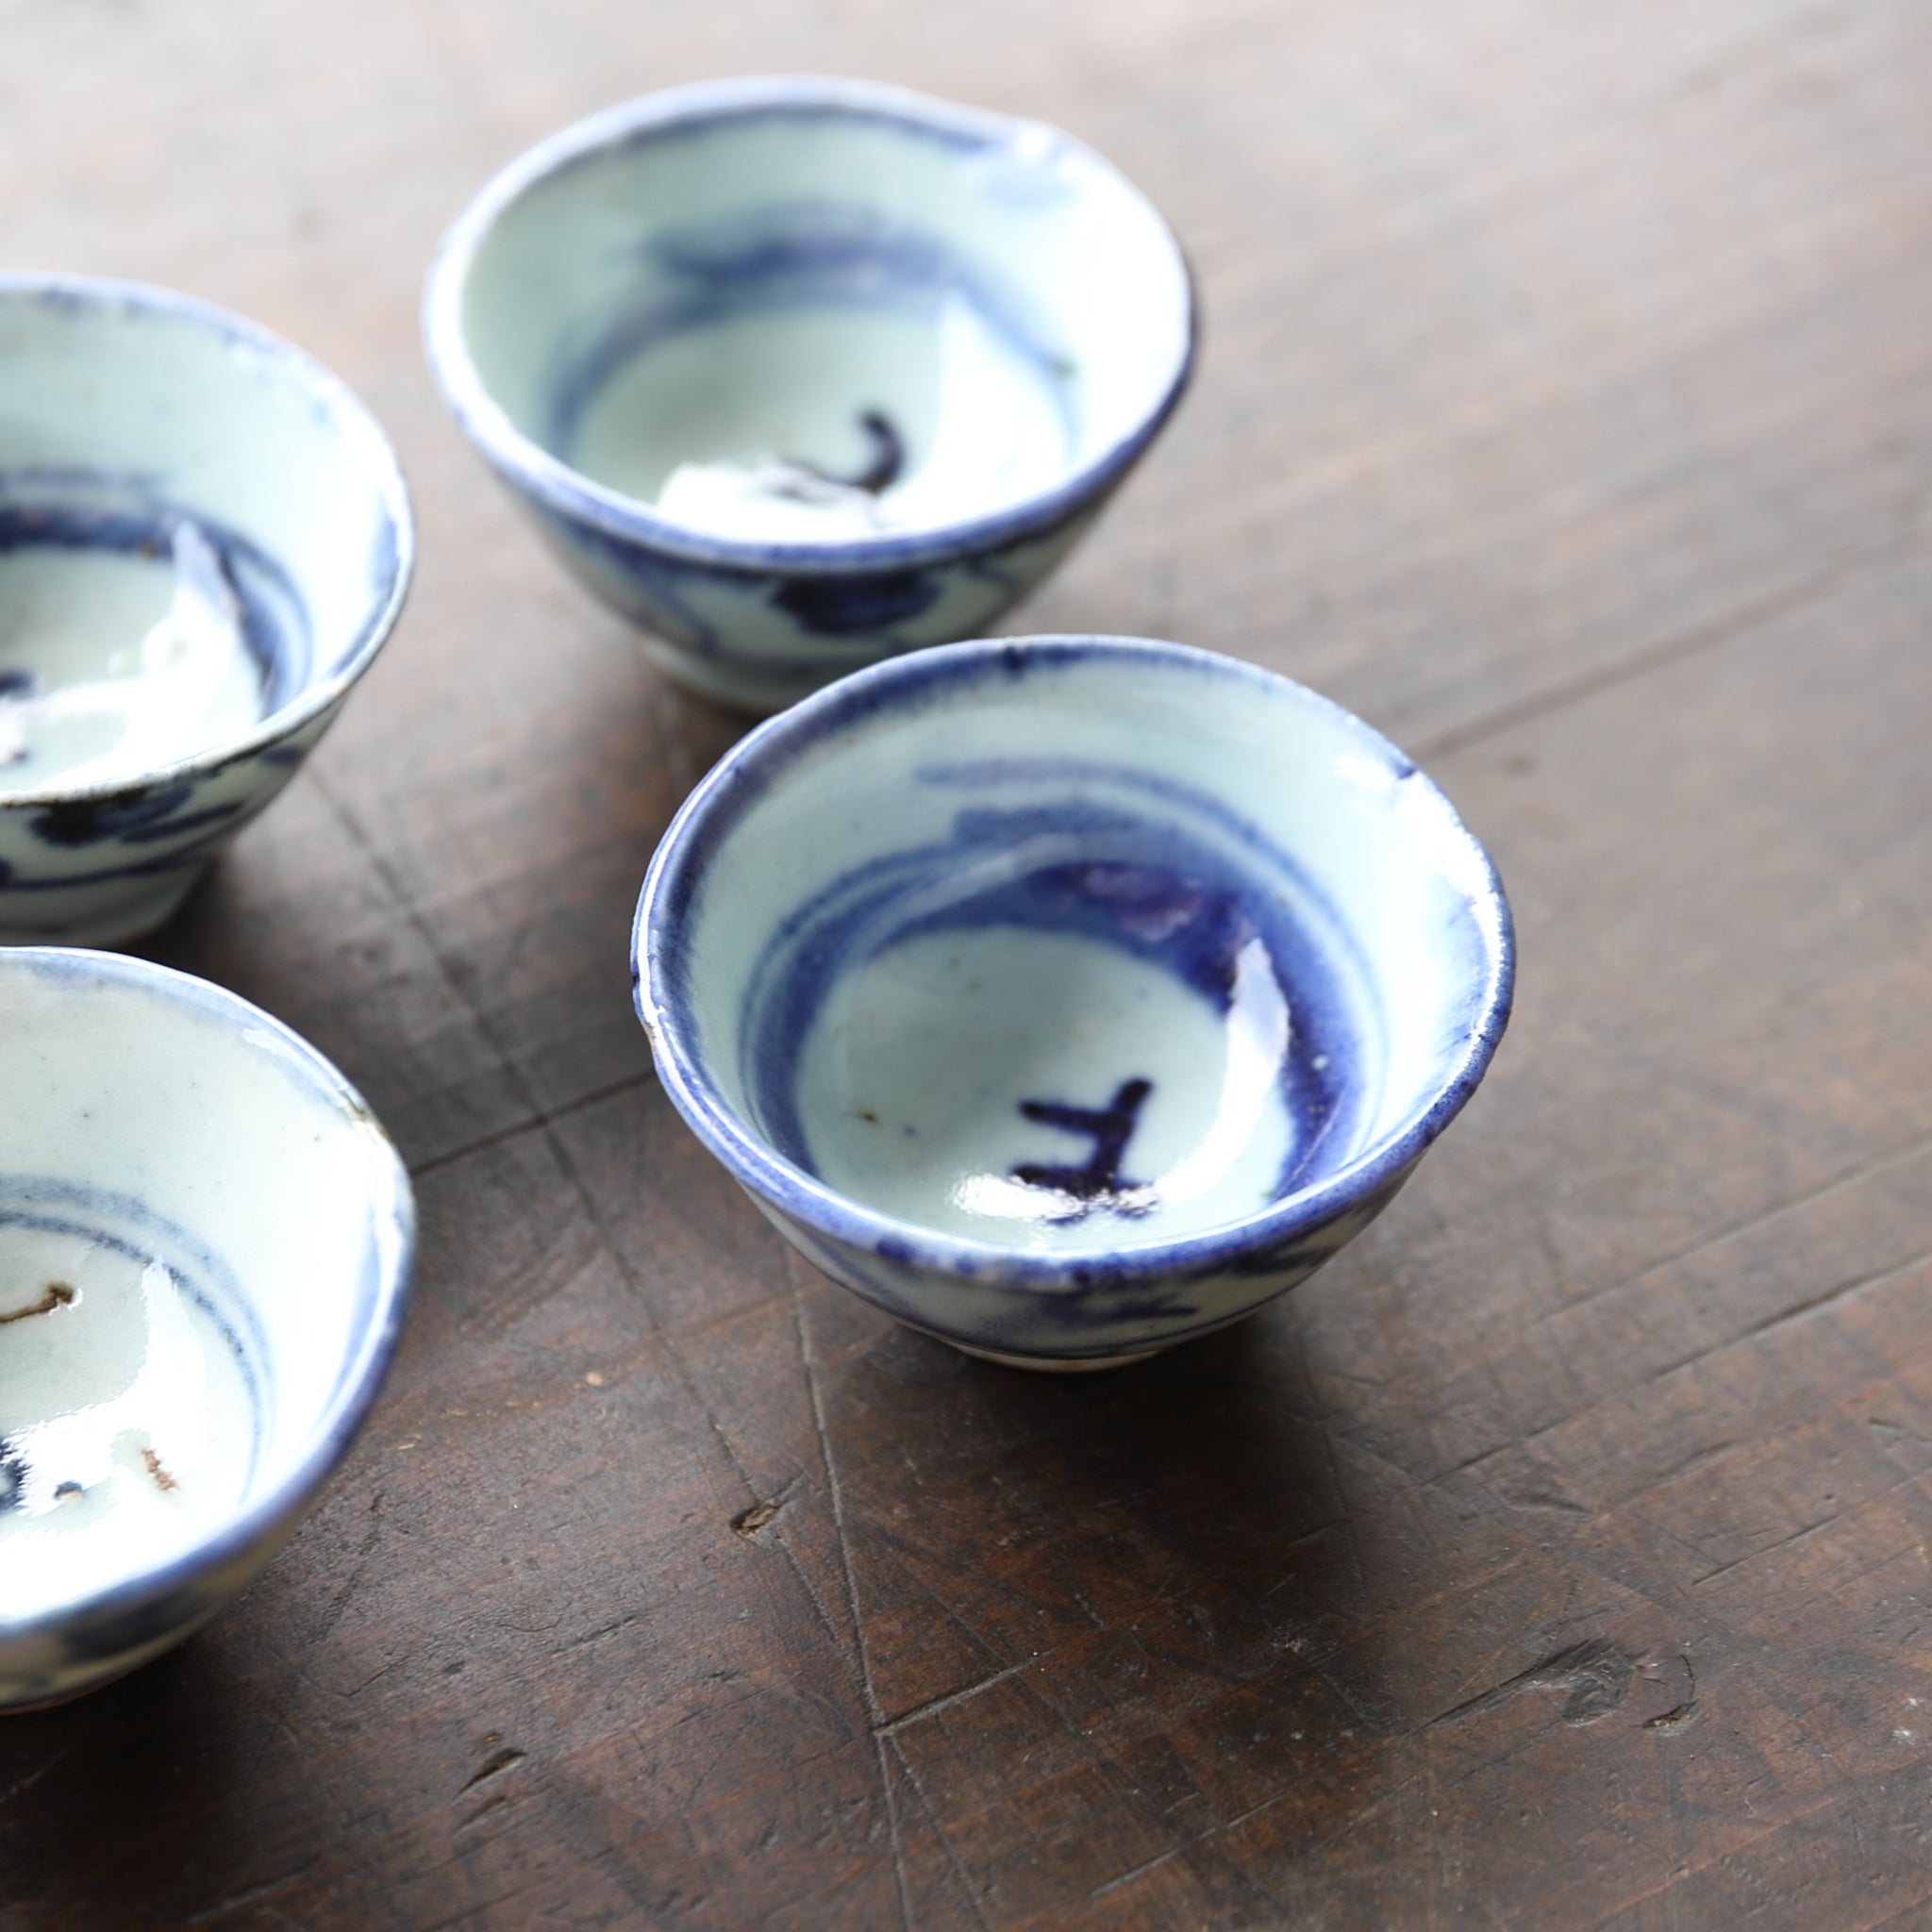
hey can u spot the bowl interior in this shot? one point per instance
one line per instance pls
(1077, 946)
(935, 313)
(202, 1240)
(197, 526)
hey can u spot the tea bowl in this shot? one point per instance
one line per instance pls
(204, 541)
(1070, 997)
(802, 373)
(206, 1242)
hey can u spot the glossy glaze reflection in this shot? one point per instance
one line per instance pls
(116, 662)
(127, 1413)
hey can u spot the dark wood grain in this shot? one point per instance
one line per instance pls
(1559, 1559)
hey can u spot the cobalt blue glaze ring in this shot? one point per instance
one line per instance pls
(206, 1241)
(205, 540)
(1070, 997)
(799, 373)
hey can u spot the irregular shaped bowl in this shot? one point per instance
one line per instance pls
(800, 373)
(173, 480)
(1069, 998)
(205, 1252)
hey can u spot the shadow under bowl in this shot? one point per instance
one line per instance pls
(801, 374)
(1068, 997)
(205, 1252)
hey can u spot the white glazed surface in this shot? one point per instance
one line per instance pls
(205, 1245)
(802, 373)
(174, 483)
(1070, 996)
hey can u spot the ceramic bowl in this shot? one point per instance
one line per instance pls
(802, 374)
(1070, 997)
(204, 541)
(204, 1249)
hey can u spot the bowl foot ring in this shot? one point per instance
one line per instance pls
(1055, 1365)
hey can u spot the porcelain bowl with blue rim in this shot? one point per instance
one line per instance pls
(204, 541)
(1070, 997)
(802, 373)
(205, 1252)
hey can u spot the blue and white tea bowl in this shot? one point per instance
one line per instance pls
(1069, 998)
(204, 541)
(802, 373)
(205, 1252)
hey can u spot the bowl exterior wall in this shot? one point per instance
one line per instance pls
(103, 867)
(53, 1662)
(1110, 1314)
(760, 639)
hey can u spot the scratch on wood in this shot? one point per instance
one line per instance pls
(33, 1777)
(546, 1117)
(1797, 1535)
(1690, 1464)
(492, 1801)
(874, 1716)
(1354, 1824)
(939, 1830)
(497, 1761)
(253, 1896)
(1897, 1432)
(380, 1671)
(1543, 1499)
(538, 1118)
(1596, 1674)
(1432, 1812)
(1799, 1311)
(1837, 1184)
(299, 1677)
(1895, 550)
(668, 1338)
(935, 1704)
(1771, 1322)
(602, 1630)
(1128, 1787)
(1148, 1865)
(543, 1120)
(1681, 1715)
(903, 1546)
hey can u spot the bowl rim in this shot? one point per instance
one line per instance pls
(392, 1212)
(568, 494)
(107, 294)
(758, 759)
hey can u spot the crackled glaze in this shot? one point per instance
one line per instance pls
(204, 1247)
(802, 374)
(1070, 996)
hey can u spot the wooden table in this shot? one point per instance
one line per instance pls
(1561, 1557)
